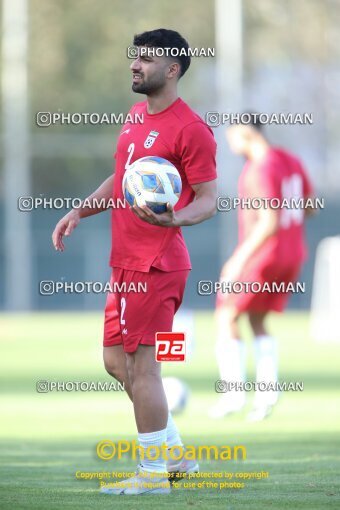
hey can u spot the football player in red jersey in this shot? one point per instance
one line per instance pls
(149, 247)
(271, 248)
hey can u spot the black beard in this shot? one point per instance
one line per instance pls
(140, 88)
(146, 88)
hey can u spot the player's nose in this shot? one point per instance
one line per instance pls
(135, 65)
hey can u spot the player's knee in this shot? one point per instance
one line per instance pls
(112, 368)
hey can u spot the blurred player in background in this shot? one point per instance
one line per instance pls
(271, 248)
(150, 248)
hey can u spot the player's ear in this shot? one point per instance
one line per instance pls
(174, 70)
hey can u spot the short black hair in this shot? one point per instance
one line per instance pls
(253, 119)
(163, 38)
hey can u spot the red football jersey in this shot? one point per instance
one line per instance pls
(280, 176)
(179, 135)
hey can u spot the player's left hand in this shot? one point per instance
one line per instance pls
(167, 219)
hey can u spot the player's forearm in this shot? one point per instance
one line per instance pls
(98, 201)
(262, 231)
(199, 210)
(202, 208)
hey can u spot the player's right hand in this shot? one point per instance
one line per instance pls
(64, 228)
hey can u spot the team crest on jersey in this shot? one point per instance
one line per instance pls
(150, 140)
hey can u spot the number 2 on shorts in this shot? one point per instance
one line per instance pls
(122, 310)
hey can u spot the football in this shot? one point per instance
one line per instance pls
(152, 181)
(177, 394)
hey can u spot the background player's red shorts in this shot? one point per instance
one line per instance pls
(264, 271)
(133, 318)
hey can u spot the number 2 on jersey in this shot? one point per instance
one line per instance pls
(131, 149)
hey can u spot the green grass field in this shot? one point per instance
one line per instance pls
(46, 438)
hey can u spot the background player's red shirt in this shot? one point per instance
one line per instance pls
(179, 135)
(280, 175)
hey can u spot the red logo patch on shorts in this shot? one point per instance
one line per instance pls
(170, 346)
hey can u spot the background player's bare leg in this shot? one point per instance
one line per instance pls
(256, 320)
(115, 364)
(266, 360)
(227, 322)
(230, 354)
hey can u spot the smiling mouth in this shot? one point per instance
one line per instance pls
(136, 77)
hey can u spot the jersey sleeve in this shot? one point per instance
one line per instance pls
(196, 147)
